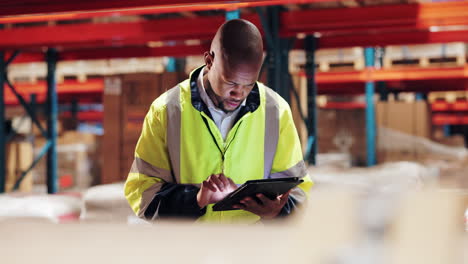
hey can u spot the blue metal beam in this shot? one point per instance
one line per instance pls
(370, 112)
(171, 65)
(310, 45)
(447, 131)
(2, 124)
(419, 97)
(175, 64)
(52, 113)
(233, 14)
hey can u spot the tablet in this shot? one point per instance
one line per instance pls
(271, 188)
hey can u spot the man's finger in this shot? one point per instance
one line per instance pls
(284, 194)
(265, 200)
(209, 185)
(284, 197)
(246, 200)
(224, 180)
(238, 206)
(251, 205)
(215, 179)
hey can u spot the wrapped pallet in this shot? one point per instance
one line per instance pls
(77, 162)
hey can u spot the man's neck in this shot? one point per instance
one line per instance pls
(210, 92)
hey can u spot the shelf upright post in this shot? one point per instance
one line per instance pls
(52, 113)
(310, 45)
(2, 123)
(370, 110)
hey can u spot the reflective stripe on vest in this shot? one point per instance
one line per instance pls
(173, 130)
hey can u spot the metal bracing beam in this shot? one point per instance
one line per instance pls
(26, 106)
(30, 111)
(51, 133)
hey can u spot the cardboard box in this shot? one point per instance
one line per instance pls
(422, 119)
(127, 99)
(170, 80)
(401, 117)
(140, 89)
(342, 131)
(19, 156)
(132, 122)
(112, 132)
(37, 132)
(411, 118)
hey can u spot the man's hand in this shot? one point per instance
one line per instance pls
(214, 189)
(263, 206)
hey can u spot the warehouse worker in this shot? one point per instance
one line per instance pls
(213, 132)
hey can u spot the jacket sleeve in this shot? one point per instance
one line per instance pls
(288, 160)
(151, 188)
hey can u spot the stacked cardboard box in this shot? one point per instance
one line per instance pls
(412, 118)
(407, 117)
(19, 156)
(342, 131)
(127, 99)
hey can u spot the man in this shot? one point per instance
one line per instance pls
(213, 132)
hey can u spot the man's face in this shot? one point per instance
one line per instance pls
(230, 85)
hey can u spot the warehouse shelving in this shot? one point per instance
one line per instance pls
(72, 87)
(445, 106)
(404, 79)
(409, 79)
(442, 119)
(315, 29)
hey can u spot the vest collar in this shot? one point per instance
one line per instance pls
(251, 104)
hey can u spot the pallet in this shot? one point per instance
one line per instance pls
(350, 59)
(449, 97)
(82, 70)
(431, 55)
(425, 62)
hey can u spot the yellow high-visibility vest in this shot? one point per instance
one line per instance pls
(181, 145)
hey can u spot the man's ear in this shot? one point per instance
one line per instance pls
(209, 56)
